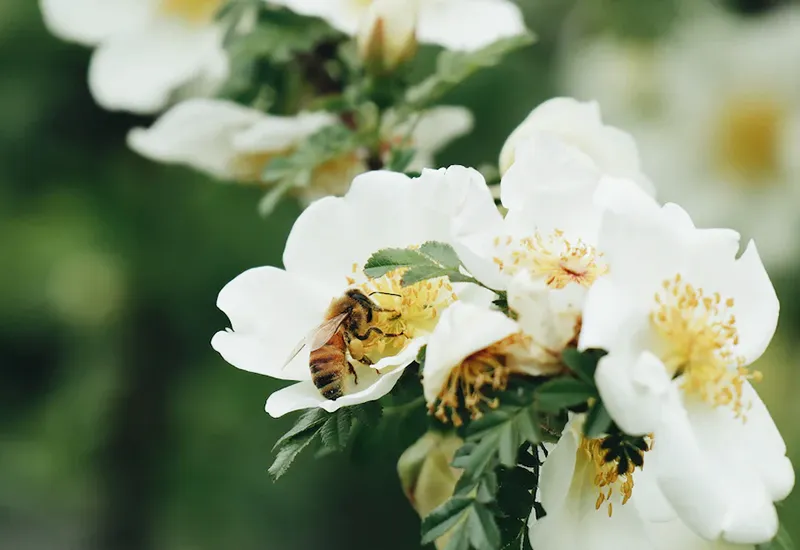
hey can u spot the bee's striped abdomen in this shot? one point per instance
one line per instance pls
(329, 367)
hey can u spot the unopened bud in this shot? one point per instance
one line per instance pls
(425, 472)
(388, 35)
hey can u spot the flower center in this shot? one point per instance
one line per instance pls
(555, 258)
(612, 460)
(748, 135)
(468, 383)
(699, 335)
(193, 11)
(410, 311)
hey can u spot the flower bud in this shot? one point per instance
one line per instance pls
(387, 37)
(426, 475)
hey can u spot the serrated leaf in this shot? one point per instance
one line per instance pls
(561, 393)
(390, 259)
(483, 531)
(598, 421)
(459, 539)
(310, 420)
(443, 518)
(287, 454)
(441, 253)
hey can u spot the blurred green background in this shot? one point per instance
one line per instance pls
(122, 429)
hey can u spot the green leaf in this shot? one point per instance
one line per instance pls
(273, 197)
(430, 261)
(782, 541)
(483, 531)
(443, 518)
(452, 68)
(583, 364)
(401, 159)
(499, 434)
(598, 421)
(562, 393)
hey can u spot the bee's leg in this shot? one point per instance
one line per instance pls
(353, 371)
(376, 330)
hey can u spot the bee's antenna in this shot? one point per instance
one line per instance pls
(384, 293)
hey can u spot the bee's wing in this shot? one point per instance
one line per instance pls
(317, 337)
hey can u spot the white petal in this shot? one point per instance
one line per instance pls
(543, 160)
(468, 24)
(634, 390)
(463, 330)
(303, 395)
(434, 130)
(271, 311)
(200, 133)
(91, 21)
(334, 234)
(278, 133)
(140, 71)
(549, 316)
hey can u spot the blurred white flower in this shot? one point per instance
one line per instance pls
(563, 123)
(272, 309)
(387, 36)
(601, 494)
(147, 51)
(453, 24)
(682, 317)
(723, 128)
(232, 142)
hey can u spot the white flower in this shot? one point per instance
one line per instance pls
(682, 318)
(601, 494)
(724, 130)
(233, 142)
(564, 121)
(147, 50)
(387, 35)
(454, 24)
(272, 309)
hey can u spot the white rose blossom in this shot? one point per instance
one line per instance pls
(147, 51)
(273, 309)
(232, 142)
(602, 494)
(453, 24)
(720, 94)
(681, 318)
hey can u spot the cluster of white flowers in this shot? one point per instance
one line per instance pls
(157, 54)
(586, 258)
(719, 92)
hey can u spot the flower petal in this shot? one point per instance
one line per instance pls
(271, 312)
(139, 71)
(434, 130)
(200, 133)
(468, 24)
(463, 330)
(91, 21)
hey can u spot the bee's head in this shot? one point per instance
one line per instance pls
(361, 298)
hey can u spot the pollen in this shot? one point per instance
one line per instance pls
(468, 384)
(409, 311)
(700, 336)
(614, 460)
(559, 260)
(193, 11)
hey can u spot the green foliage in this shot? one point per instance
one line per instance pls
(598, 421)
(333, 431)
(429, 261)
(516, 498)
(452, 68)
(782, 541)
(564, 393)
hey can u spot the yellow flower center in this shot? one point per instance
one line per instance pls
(612, 461)
(467, 383)
(699, 336)
(193, 11)
(411, 311)
(748, 138)
(555, 258)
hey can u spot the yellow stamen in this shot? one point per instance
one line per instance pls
(193, 11)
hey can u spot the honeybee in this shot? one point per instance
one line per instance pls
(347, 318)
